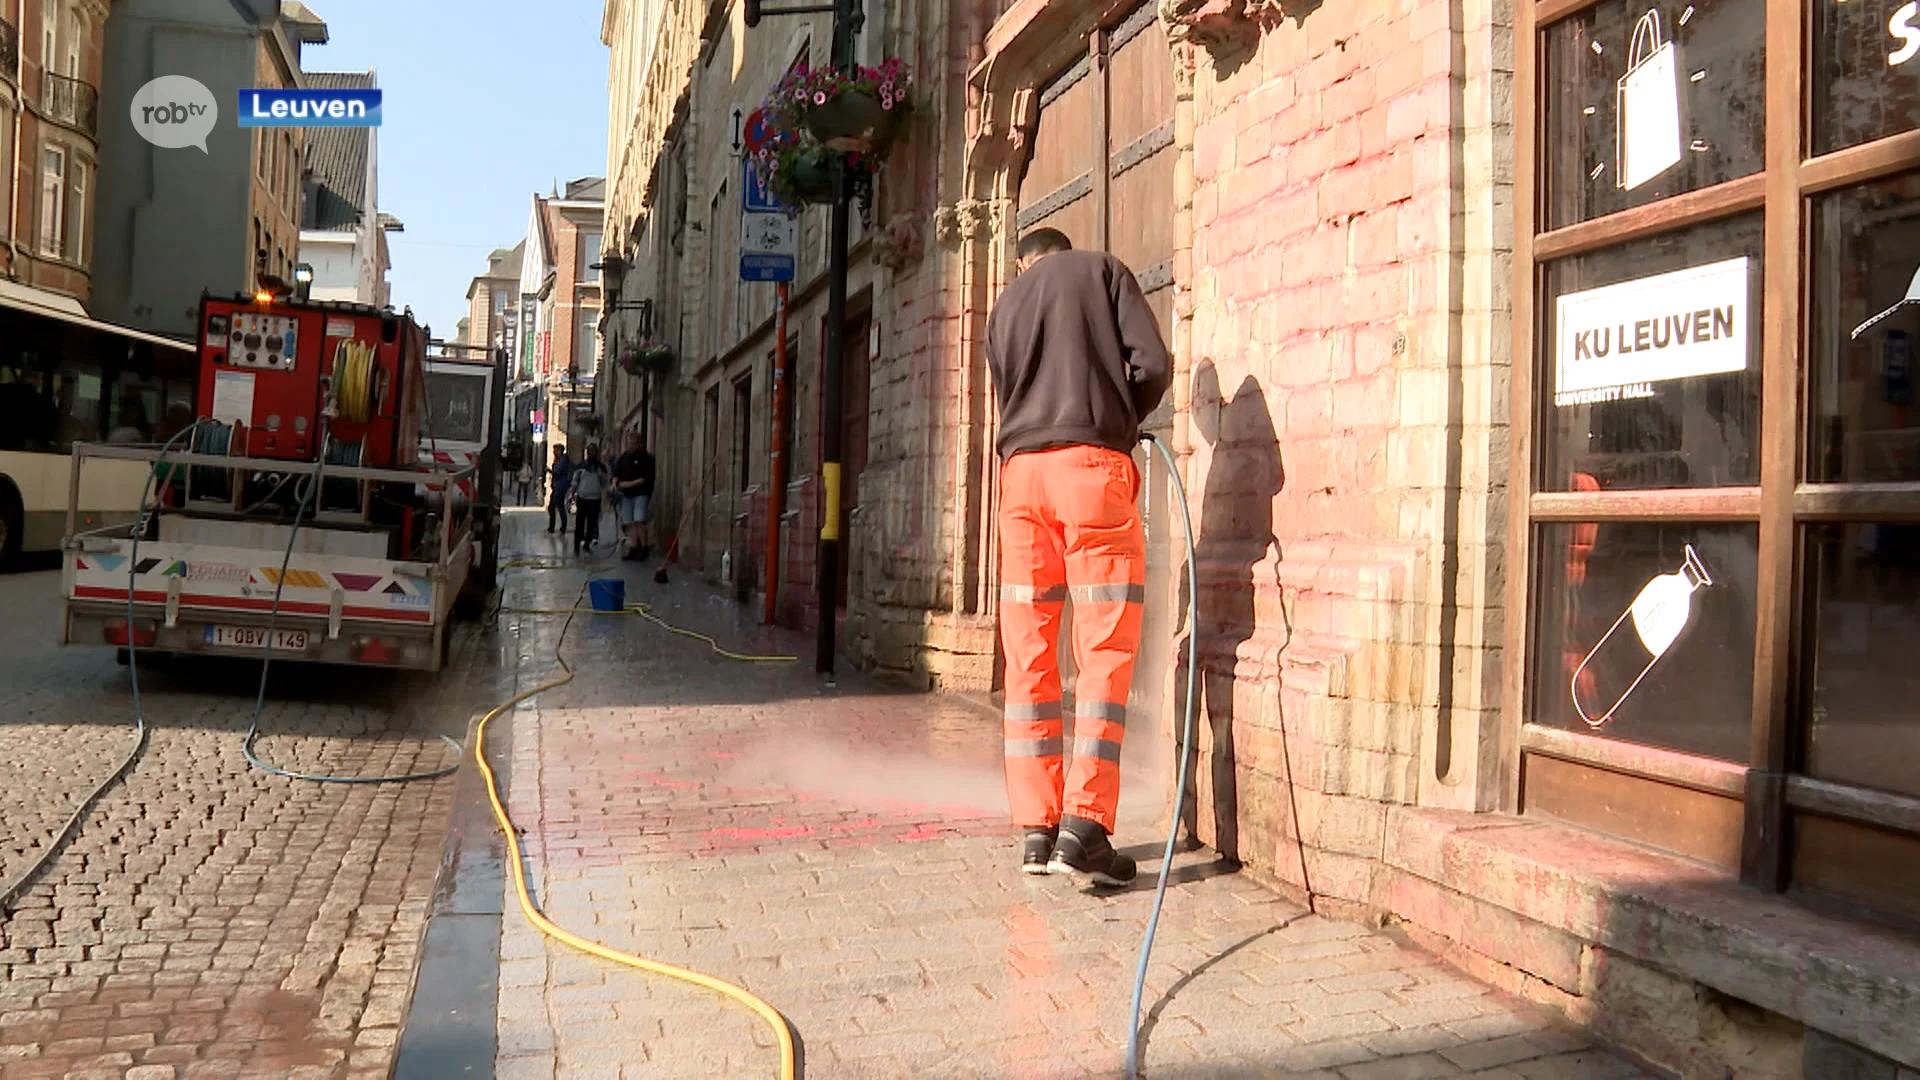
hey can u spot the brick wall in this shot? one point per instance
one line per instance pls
(1346, 345)
(21, 162)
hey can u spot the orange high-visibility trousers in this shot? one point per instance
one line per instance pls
(1069, 527)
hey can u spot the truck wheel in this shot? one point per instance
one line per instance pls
(12, 522)
(471, 604)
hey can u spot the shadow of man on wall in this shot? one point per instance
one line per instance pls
(1236, 529)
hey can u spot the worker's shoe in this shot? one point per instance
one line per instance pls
(1039, 848)
(1084, 853)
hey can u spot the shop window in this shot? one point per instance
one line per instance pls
(1861, 420)
(1651, 362)
(1865, 61)
(1645, 631)
(1645, 101)
(1661, 680)
(1865, 625)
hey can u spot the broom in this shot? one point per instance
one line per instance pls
(673, 542)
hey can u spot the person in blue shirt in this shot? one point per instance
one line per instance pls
(558, 491)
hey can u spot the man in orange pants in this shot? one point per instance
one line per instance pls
(1077, 362)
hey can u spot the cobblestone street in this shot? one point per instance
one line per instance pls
(843, 854)
(207, 919)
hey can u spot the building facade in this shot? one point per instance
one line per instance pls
(343, 233)
(491, 300)
(50, 68)
(559, 287)
(1554, 520)
(175, 222)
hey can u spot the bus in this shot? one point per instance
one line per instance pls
(66, 378)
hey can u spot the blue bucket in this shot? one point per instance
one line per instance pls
(607, 594)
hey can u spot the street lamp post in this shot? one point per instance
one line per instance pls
(847, 19)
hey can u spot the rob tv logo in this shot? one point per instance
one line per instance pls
(174, 111)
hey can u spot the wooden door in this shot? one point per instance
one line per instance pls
(1102, 173)
(855, 377)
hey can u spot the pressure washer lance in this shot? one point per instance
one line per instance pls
(1186, 754)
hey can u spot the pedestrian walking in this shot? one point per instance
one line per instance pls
(525, 479)
(633, 474)
(1077, 361)
(589, 489)
(562, 489)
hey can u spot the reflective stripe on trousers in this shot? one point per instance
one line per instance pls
(1069, 528)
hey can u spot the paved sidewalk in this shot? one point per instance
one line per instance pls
(844, 854)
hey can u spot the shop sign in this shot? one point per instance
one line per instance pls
(1615, 342)
(1902, 28)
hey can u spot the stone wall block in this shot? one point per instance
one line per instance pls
(1551, 955)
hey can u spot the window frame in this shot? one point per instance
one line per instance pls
(78, 31)
(7, 154)
(75, 226)
(586, 341)
(51, 238)
(584, 274)
(1768, 793)
(743, 430)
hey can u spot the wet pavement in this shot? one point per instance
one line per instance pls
(842, 852)
(207, 919)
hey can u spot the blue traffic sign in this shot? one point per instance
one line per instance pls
(755, 266)
(756, 198)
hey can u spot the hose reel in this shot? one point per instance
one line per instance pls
(340, 493)
(354, 392)
(206, 481)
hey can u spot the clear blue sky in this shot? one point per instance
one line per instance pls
(483, 104)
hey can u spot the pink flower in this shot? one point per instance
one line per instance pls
(819, 97)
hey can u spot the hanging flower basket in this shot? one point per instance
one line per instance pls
(806, 178)
(855, 122)
(655, 357)
(862, 112)
(797, 170)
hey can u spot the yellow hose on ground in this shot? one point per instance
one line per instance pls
(645, 611)
(547, 926)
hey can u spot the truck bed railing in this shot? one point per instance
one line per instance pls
(437, 477)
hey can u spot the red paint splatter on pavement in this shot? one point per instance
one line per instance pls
(757, 835)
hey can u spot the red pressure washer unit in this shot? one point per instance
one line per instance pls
(304, 381)
(267, 367)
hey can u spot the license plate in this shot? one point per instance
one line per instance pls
(255, 637)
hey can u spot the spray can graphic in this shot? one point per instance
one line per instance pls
(1661, 610)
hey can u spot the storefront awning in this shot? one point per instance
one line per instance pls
(51, 305)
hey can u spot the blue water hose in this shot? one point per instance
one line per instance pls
(149, 505)
(1186, 753)
(305, 495)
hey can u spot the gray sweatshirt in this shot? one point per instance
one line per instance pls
(1076, 355)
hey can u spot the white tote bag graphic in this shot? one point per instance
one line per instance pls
(1648, 113)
